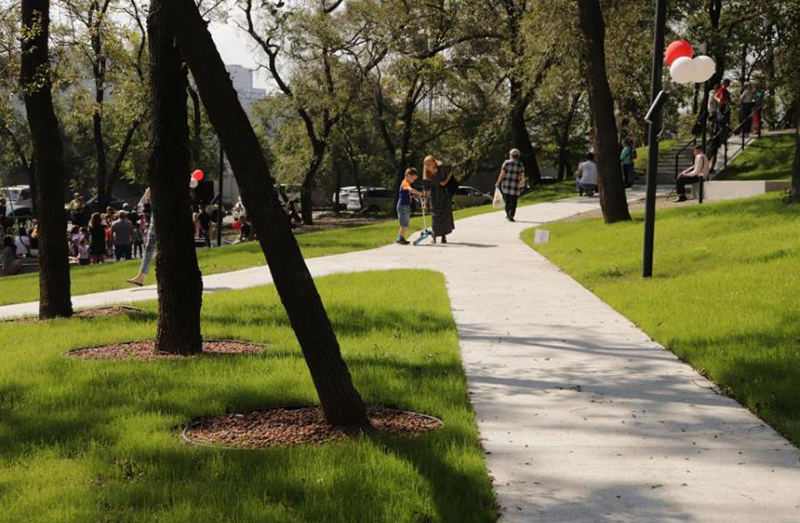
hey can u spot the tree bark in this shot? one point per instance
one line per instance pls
(612, 189)
(197, 120)
(520, 137)
(340, 401)
(180, 285)
(49, 171)
(795, 192)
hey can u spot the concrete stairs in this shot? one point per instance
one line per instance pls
(683, 153)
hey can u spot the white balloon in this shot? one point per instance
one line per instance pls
(683, 70)
(193, 183)
(704, 68)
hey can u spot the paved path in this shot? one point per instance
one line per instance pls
(582, 416)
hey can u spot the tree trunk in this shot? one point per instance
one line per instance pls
(795, 192)
(563, 158)
(520, 138)
(49, 171)
(612, 189)
(98, 71)
(340, 401)
(180, 285)
(197, 120)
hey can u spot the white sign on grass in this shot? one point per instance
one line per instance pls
(541, 236)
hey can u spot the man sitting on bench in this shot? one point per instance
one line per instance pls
(696, 173)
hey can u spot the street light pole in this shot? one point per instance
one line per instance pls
(655, 127)
(220, 214)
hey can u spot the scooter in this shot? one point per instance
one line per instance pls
(426, 233)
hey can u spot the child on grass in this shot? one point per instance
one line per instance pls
(404, 203)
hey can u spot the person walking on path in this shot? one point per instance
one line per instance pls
(121, 234)
(149, 243)
(511, 181)
(586, 176)
(97, 233)
(404, 204)
(696, 173)
(436, 177)
(626, 158)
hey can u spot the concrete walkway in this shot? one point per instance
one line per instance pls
(582, 416)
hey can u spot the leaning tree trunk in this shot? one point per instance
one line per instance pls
(180, 285)
(340, 401)
(49, 171)
(795, 192)
(612, 188)
(520, 137)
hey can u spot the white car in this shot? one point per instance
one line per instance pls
(345, 192)
(17, 196)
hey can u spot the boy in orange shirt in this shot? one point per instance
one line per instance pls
(404, 203)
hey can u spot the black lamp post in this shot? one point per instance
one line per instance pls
(654, 119)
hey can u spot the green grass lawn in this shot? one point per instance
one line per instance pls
(112, 276)
(99, 441)
(769, 158)
(724, 297)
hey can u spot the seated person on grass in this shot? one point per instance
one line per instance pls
(586, 176)
(404, 204)
(697, 172)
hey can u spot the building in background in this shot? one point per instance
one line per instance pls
(242, 78)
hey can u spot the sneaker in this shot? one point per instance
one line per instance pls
(511, 219)
(402, 241)
(682, 198)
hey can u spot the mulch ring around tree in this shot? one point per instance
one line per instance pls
(146, 350)
(289, 426)
(87, 314)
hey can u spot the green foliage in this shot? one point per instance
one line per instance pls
(100, 440)
(723, 297)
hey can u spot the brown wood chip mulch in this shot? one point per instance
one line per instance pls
(146, 350)
(297, 426)
(99, 312)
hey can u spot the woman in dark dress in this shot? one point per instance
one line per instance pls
(97, 233)
(435, 177)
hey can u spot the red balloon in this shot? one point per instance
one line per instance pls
(677, 50)
(198, 175)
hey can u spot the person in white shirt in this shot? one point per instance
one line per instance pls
(22, 243)
(586, 176)
(696, 173)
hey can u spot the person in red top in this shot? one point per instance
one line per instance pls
(723, 97)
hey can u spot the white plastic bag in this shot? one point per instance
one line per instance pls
(498, 202)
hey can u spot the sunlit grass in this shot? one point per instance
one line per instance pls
(724, 296)
(769, 158)
(99, 440)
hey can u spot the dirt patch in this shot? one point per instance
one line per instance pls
(146, 350)
(100, 312)
(324, 223)
(286, 426)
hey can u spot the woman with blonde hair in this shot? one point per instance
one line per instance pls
(436, 177)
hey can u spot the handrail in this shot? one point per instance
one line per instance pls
(691, 142)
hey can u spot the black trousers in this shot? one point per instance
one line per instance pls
(683, 181)
(511, 204)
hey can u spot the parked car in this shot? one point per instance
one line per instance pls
(469, 196)
(21, 213)
(344, 194)
(17, 196)
(93, 204)
(377, 199)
